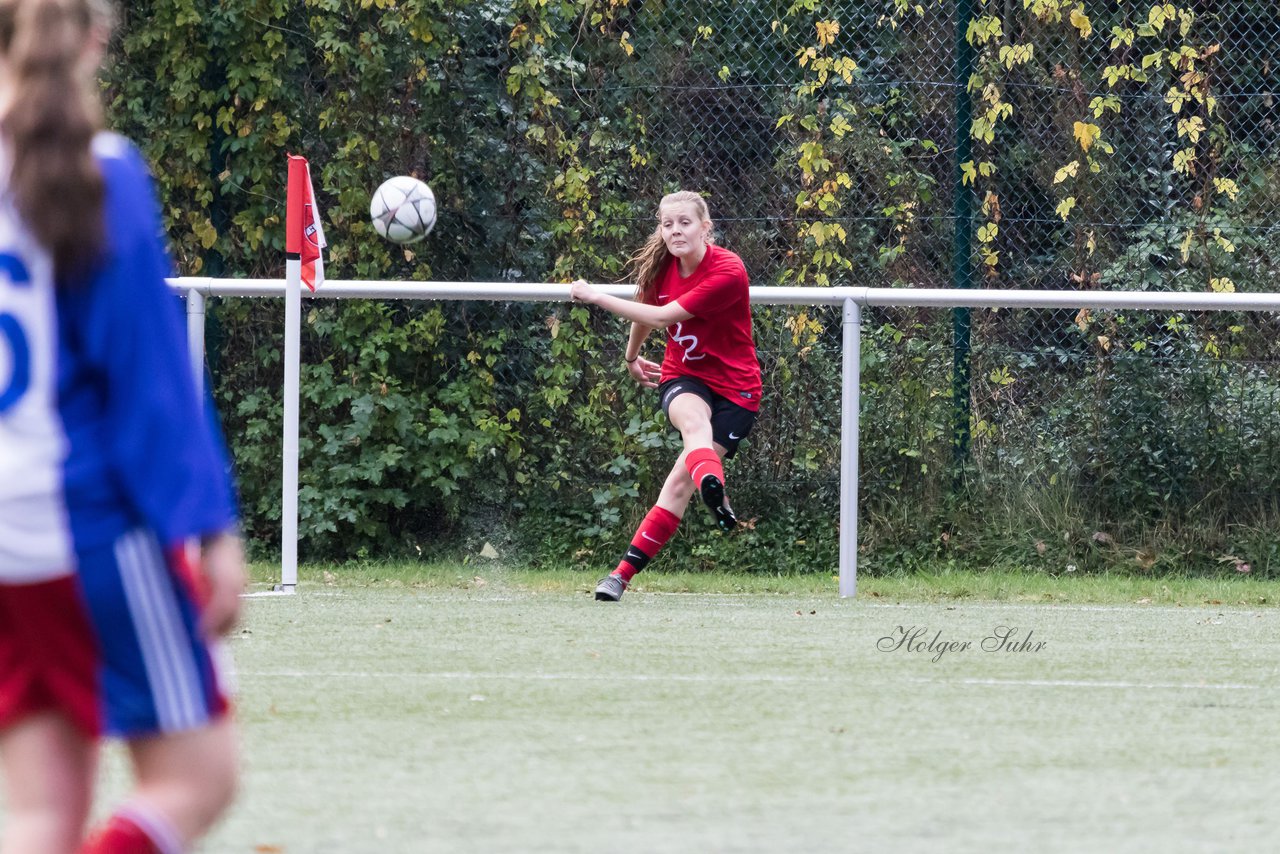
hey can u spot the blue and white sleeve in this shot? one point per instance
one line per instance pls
(164, 445)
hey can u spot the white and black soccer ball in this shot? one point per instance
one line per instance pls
(403, 209)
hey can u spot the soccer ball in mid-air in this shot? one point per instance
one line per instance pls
(403, 209)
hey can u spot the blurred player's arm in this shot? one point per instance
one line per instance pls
(223, 564)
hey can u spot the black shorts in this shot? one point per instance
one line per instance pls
(730, 423)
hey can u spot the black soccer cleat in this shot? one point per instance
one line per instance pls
(610, 588)
(712, 491)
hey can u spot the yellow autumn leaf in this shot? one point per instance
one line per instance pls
(827, 32)
(1191, 128)
(206, 232)
(1068, 171)
(1227, 186)
(818, 233)
(1186, 19)
(1156, 17)
(1081, 22)
(1086, 133)
(1176, 98)
(1222, 285)
(1185, 248)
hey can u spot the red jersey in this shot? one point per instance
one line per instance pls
(715, 345)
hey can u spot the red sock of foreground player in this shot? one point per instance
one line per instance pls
(135, 829)
(701, 462)
(651, 536)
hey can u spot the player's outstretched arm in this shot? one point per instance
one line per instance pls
(655, 316)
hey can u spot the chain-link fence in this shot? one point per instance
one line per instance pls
(1100, 438)
(1040, 144)
(725, 98)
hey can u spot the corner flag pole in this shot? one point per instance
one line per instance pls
(292, 368)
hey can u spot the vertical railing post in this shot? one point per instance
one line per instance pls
(850, 404)
(195, 338)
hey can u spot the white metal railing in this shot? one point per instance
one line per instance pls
(851, 299)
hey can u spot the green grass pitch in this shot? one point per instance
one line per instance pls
(505, 718)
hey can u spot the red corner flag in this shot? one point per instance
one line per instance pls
(303, 236)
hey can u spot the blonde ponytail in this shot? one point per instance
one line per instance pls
(647, 265)
(49, 126)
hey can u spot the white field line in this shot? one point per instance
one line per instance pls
(980, 605)
(854, 605)
(742, 679)
(1080, 683)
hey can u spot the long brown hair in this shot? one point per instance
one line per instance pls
(647, 264)
(49, 126)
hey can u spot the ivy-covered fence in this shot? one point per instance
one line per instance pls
(945, 143)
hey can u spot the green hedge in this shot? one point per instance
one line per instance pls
(549, 128)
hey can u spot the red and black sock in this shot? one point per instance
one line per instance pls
(701, 462)
(652, 535)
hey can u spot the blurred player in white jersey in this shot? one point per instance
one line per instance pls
(110, 470)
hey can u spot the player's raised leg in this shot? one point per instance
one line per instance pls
(691, 415)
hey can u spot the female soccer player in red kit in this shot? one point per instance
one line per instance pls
(709, 379)
(109, 468)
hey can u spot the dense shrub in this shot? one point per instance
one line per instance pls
(1125, 151)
